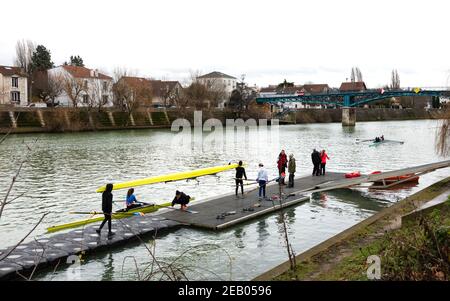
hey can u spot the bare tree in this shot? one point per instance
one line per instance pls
(356, 75)
(24, 53)
(359, 76)
(203, 95)
(353, 75)
(74, 88)
(443, 136)
(395, 80)
(131, 92)
(47, 86)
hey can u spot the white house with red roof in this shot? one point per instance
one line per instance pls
(82, 87)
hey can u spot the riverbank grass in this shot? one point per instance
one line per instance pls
(417, 249)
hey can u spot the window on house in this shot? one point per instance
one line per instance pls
(15, 96)
(85, 84)
(105, 99)
(15, 82)
(85, 98)
(105, 86)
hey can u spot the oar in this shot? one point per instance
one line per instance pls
(251, 180)
(101, 213)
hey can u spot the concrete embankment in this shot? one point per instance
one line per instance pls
(37, 120)
(334, 259)
(335, 115)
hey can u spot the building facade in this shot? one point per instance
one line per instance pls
(165, 92)
(13, 86)
(220, 82)
(82, 87)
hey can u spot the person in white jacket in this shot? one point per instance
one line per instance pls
(262, 180)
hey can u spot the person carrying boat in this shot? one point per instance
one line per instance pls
(282, 164)
(323, 162)
(291, 170)
(240, 172)
(182, 199)
(262, 180)
(107, 201)
(131, 201)
(316, 160)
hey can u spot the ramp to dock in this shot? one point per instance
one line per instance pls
(48, 251)
(232, 208)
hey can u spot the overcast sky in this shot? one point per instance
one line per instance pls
(303, 41)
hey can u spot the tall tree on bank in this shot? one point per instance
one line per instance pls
(356, 75)
(24, 53)
(395, 80)
(75, 61)
(41, 59)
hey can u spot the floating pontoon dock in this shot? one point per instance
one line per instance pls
(49, 251)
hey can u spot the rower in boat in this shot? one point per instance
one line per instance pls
(377, 139)
(382, 137)
(131, 201)
(107, 200)
(182, 199)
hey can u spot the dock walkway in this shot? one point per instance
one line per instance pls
(207, 212)
(55, 249)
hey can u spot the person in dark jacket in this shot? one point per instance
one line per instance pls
(182, 199)
(291, 170)
(240, 172)
(316, 160)
(107, 202)
(282, 164)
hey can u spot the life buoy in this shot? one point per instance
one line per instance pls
(354, 174)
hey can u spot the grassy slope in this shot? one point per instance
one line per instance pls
(346, 260)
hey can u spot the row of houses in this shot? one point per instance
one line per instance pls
(82, 86)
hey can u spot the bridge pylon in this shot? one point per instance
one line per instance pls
(348, 116)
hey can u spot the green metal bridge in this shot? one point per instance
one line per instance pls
(348, 101)
(352, 99)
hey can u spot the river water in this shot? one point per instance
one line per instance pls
(63, 170)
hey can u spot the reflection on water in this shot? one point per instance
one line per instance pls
(65, 169)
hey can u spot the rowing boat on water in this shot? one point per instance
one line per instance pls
(116, 215)
(171, 177)
(376, 143)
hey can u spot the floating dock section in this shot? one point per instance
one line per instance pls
(228, 210)
(54, 250)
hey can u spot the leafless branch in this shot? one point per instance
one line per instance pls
(25, 237)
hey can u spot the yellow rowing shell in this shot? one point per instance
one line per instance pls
(171, 177)
(116, 215)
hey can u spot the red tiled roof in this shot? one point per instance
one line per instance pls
(315, 88)
(10, 71)
(159, 87)
(353, 86)
(83, 72)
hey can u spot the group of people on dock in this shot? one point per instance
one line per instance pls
(319, 160)
(263, 178)
(131, 202)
